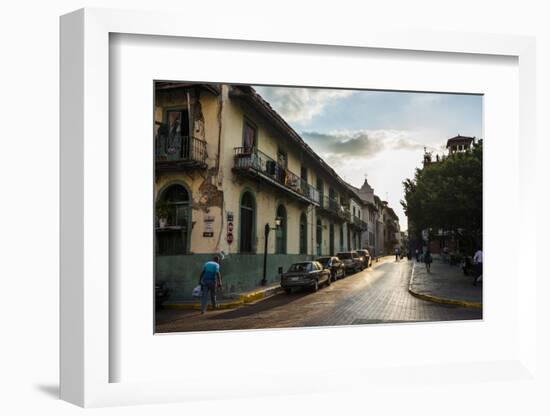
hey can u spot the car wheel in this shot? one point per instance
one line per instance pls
(329, 279)
(288, 290)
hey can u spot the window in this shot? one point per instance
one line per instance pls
(174, 217)
(248, 216)
(250, 136)
(282, 158)
(280, 232)
(303, 234)
(341, 238)
(303, 173)
(303, 184)
(173, 136)
(319, 237)
(331, 239)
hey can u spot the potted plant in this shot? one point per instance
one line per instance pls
(162, 209)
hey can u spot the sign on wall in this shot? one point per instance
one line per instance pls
(229, 227)
(208, 230)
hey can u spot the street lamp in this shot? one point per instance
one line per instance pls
(267, 229)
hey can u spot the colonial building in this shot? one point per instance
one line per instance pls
(233, 178)
(381, 234)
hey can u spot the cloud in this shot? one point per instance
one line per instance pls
(339, 147)
(298, 105)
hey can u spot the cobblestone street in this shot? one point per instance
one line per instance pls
(377, 295)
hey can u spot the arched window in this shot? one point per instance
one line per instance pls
(303, 234)
(173, 216)
(319, 237)
(280, 233)
(248, 216)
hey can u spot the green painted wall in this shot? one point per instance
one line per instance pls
(240, 272)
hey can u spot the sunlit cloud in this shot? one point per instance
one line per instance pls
(339, 146)
(298, 105)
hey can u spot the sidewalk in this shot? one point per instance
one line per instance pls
(234, 300)
(229, 301)
(445, 284)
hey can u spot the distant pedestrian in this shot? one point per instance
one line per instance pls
(397, 254)
(478, 264)
(445, 255)
(417, 255)
(210, 280)
(428, 260)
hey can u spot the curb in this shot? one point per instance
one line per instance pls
(437, 299)
(244, 298)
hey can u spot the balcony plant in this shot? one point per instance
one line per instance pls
(162, 210)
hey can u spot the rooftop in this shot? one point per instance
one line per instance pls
(460, 140)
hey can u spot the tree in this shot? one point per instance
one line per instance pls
(447, 195)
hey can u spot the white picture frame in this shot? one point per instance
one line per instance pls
(85, 352)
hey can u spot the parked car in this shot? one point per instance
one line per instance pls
(161, 294)
(364, 253)
(351, 261)
(335, 265)
(310, 274)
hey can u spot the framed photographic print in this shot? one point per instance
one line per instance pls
(287, 205)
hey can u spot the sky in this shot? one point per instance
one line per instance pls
(377, 135)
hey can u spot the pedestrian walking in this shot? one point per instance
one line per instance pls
(478, 264)
(210, 280)
(417, 255)
(397, 254)
(445, 255)
(428, 260)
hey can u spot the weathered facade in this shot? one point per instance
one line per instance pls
(227, 167)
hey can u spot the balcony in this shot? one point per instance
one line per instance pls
(333, 207)
(359, 224)
(257, 165)
(180, 153)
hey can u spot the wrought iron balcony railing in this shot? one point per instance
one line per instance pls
(181, 151)
(359, 223)
(252, 159)
(332, 205)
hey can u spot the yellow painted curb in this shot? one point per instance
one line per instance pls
(259, 294)
(245, 298)
(197, 306)
(437, 299)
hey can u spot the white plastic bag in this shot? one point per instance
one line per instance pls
(197, 292)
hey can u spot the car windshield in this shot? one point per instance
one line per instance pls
(300, 267)
(362, 252)
(324, 260)
(344, 255)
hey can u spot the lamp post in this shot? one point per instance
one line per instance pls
(267, 229)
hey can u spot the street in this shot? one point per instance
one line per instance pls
(376, 295)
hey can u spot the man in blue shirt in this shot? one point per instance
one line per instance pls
(210, 280)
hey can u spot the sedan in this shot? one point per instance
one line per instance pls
(336, 267)
(366, 256)
(351, 261)
(310, 274)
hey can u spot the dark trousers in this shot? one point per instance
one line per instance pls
(208, 287)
